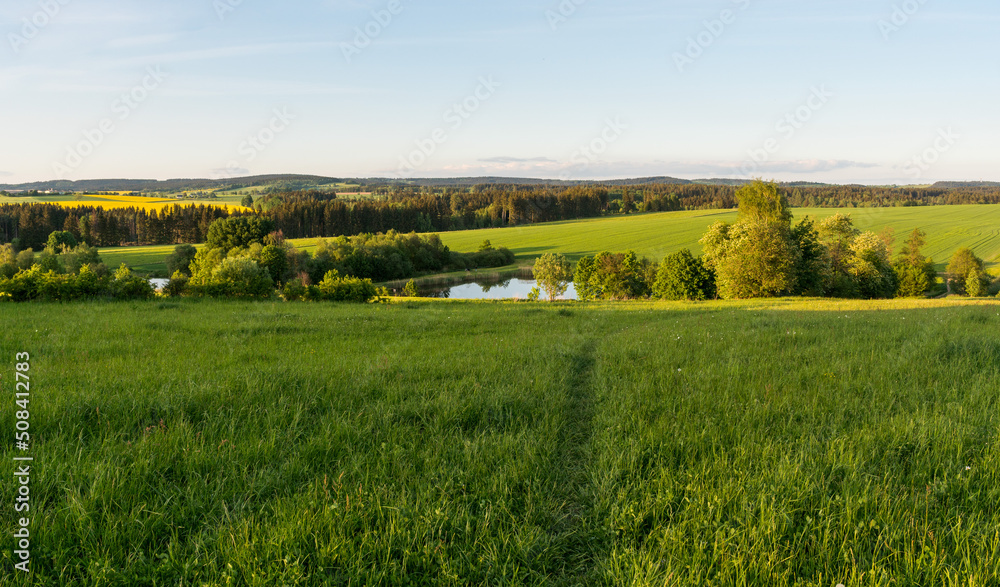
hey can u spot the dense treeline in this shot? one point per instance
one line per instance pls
(313, 214)
(28, 226)
(243, 260)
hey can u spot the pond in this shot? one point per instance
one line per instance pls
(158, 283)
(512, 288)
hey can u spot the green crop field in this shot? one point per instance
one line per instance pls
(760, 443)
(659, 234)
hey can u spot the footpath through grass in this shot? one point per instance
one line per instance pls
(446, 443)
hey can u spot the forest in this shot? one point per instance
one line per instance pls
(314, 213)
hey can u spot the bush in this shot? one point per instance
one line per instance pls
(177, 285)
(127, 286)
(410, 289)
(612, 276)
(683, 277)
(236, 277)
(346, 289)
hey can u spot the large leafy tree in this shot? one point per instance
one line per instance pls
(238, 232)
(757, 256)
(554, 273)
(964, 263)
(915, 273)
(612, 276)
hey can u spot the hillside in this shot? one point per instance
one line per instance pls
(200, 442)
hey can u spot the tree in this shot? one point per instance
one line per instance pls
(410, 289)
(975, 284)
(247, 201)
(812, 268)
(914, 272)
(962, 264)
(756, 256)
(238, 232)
(61, 240)
(554, 274)
(761, 201)
(869, 265)
(682, 276)
(760, 261)
(180, 259)
(612, 276)
(628, 201)
(275, 260)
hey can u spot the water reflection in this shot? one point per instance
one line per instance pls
(507, 289)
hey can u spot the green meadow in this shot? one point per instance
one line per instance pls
(778, 442)
(656, 235)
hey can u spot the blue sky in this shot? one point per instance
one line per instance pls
(822, 90)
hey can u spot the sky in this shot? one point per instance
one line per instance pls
(840, 91)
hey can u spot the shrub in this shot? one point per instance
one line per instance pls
(683, 277)
(346, 289)
(177, 285)
(237, 277)
(612, 276)
(126, 285)
(410, 289)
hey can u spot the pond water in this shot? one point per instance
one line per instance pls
(513, 288)
(507, 289)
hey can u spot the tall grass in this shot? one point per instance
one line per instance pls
(214, 443)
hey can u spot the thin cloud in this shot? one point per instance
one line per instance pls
(506, 160)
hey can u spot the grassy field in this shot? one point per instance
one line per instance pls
(804, 443)
(657, 235)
